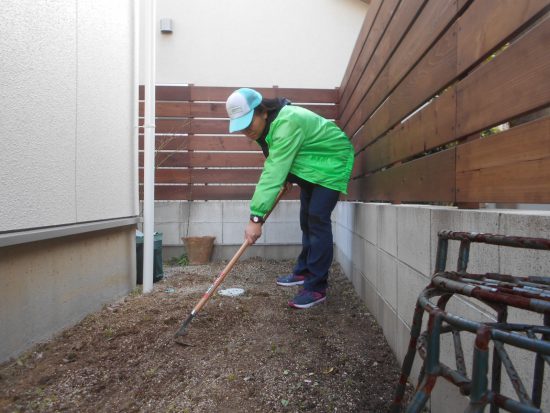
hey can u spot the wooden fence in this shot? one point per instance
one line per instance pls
(428, 85)
(196, 158)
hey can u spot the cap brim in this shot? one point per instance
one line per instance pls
(241, 123)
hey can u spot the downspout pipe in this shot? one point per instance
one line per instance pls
(149, 147)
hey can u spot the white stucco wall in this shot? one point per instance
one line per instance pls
(67, 153)
(289, 43)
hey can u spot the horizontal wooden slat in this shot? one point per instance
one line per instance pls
(203, 143)
(205, 159)
(431, 127)
(522, 182)
(428, 179)
(527, 142)
(436, 69)
(217, 109)
(191, 126)
(513, 83)
(205, 176)
(220, 94)
(211, 192)
(172, 92)
(489, 23)
(512, 166)
(398, 26)
(435, 16)
(378, 28)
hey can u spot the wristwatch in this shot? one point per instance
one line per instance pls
(256, 219)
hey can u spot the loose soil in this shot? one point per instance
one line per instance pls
(250, 353)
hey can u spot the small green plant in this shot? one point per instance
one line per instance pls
(182, 260)
(136, 291)
(108, 332)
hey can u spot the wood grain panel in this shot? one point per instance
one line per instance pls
(530, 141)
(431, 22)
(191, 126)
(515, 82)
(436, 69)
(524, 182)
(428, 179)
(512, 166)
(220, 94)
(379, 26)
(360, 43)
(429, 128)
(488, 23)
(203, 143)
(212, 192)
(168, 93)
(205, 159)
(402, 19)
(217, 110)
(205, 176)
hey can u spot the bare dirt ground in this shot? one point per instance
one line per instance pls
(246, 354)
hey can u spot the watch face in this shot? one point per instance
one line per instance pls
(256, 219)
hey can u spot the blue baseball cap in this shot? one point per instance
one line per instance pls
(240, 108)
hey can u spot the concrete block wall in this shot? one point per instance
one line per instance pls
(388, 252)
(226, 220)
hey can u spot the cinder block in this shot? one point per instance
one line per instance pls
(386, 283)
(357, 250)
(410, 284)
(517, 261)
(282, 232)
(413, 237)
(201, 229)
(370, 298)
(286, 211)
(345, 244)
(345, 214)
(368, 222)
(344, 262)
(355, 279)
(233, 234)
(236, 211)
(167, 211)
(388, 323)
(387, 229)
(171, 233)
(202, 211)
(369, 265)
(483, 258)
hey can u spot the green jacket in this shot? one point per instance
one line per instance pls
(307, 145)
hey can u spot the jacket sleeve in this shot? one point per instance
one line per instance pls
(287, 138)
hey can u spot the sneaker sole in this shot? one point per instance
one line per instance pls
(290, 284)
(302, 306)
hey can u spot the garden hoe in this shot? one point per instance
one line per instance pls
(183, 329)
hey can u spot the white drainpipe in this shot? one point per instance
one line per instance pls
(137, 42)
(149, 147)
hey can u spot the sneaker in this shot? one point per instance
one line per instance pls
(306, 299)
(291, 279)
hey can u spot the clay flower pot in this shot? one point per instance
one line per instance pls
(198, 249)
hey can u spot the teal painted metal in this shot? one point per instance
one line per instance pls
(499, 291)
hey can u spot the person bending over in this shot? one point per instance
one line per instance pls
(304, 148)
